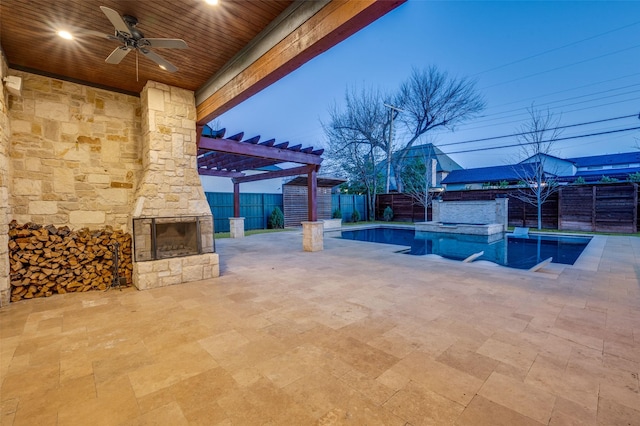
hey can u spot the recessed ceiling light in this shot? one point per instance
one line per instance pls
(65, 34)
(163, 67)
(211, 2)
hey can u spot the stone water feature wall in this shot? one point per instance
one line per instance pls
(471, 212)
(5, 207)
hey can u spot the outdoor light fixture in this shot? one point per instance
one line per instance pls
(65, 35)
(13, 84)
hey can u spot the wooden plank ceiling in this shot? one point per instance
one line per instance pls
(214, 35)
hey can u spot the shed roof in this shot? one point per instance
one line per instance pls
(323, 182)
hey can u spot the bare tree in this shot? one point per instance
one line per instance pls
(536, 172)
(430, 99)
(420, 178)
(356, 140)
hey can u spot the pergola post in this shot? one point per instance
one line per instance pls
(236, 199)
(312, 194)
(312, 231)
(236, 223)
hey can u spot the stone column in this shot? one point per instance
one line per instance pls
(435, 210)
(236, 227)
(502, 212)
(312, 236)
(5, 208)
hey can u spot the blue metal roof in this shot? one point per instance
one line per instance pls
(607, 159)
(617, 173)
(509, 173)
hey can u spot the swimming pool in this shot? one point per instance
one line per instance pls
(514, 252)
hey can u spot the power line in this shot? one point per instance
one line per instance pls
(527, 133)
(563, 91)
(570, 99)
(537, 142)
(564, 112)
(465, 126)
(563, 66)
(556, 48)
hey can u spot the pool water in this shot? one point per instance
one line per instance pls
(514, 252)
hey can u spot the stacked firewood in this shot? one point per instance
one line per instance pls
(46, 260)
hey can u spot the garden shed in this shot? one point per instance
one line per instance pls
(294, 199)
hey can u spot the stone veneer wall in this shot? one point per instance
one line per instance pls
(5, 207)
(75, 154)
(170, 184)
(471, 212)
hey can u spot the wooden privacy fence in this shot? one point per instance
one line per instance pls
(295, 204)
(403, 206)
(611, 207)
(604, 208)
(255, 208)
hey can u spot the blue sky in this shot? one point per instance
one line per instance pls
(579, 59)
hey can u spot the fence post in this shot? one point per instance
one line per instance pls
(635, 207)
(560, 209)
(593, 208)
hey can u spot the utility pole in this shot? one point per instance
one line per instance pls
(391, 111)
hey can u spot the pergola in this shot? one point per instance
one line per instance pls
(231, 157)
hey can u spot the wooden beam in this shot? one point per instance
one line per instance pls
(199, 129)
(219, 173)
(332, 24)
(275, 174)
(249, 163)
(219, 160)
(261, 151)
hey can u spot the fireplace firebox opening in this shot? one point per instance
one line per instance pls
(167, 237)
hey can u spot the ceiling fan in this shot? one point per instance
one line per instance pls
(131, 38)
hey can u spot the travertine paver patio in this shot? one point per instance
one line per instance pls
(355, 334)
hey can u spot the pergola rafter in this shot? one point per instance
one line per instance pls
(232, 156)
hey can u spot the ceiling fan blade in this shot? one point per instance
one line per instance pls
(167, 43)
(116, 20)
(82, 32)
(166, 65)
(117, 55)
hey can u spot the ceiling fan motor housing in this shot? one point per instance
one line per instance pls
(131, 22)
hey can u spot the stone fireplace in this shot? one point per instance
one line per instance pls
(80, 157)
(171, 219)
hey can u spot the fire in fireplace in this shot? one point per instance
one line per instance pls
(166, 237)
